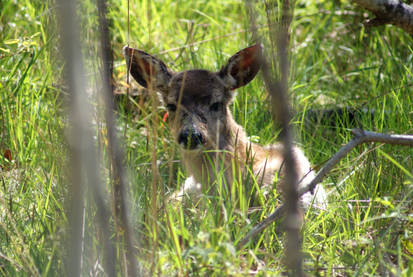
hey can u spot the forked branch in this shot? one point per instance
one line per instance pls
(360, 136)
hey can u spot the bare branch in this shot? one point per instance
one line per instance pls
(384, 138)
(84, 159)
(115, 152)
(278, 90)
(392, 12)
(280, 104)
(360, 136)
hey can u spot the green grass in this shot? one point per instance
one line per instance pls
(336, 62)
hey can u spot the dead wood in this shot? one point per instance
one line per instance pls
(360, 136)
(393, 12)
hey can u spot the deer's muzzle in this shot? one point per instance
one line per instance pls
(190, 138)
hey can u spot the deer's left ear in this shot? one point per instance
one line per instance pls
(242, 67)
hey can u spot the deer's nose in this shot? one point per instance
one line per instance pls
(190, 138)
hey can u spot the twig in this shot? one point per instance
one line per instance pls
(115, 153)
(384, 138)
(360, 136)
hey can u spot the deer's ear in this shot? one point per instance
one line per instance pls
(242, 67)
(147, 70)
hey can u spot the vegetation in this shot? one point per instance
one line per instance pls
(335, 62)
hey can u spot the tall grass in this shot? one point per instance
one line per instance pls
(335, 62)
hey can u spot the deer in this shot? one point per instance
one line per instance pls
(198, 106)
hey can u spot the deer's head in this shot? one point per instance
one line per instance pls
(197, 100)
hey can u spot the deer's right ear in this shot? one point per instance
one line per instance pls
(147, 70)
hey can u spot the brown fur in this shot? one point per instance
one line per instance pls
(200, 119)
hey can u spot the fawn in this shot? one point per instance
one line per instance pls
(201, 122)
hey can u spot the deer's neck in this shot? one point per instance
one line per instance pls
(230, 153)
(234, 138)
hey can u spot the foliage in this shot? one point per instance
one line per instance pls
(336, 62)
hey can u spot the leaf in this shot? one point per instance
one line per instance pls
(11, 41)
(384, 202)
(7, 155)
(124, 84)
(5, 50)
(408, 245)
(35, 35)
(387, 156)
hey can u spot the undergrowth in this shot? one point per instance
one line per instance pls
(336, 62)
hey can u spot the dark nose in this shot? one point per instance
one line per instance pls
(190, 138)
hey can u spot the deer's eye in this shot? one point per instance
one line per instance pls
(171, 107)
(216, 106)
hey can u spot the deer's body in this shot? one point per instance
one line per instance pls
(211, 141)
